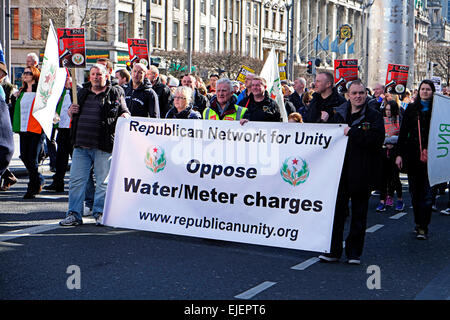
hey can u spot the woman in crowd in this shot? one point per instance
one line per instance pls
(295, 117)
(390, 178)
(29, 129)
(412, 155)
(182, 108)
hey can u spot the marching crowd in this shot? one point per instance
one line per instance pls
(387, 135)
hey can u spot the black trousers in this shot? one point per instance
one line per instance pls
(63, 152)
(421, 197)
(354, 242)
(30, 147)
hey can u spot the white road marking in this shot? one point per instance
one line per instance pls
(36, 229)
(254, 291)
(305, 264)
(398, 215)
(374, 228)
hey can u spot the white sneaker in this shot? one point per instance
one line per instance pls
(87, 212)
(70, 220)
(99, 220)
(446, 212)
(354, 261)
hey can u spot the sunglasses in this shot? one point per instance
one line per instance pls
(27, 73)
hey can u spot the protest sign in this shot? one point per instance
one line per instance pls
(138, 51)
(345, 70)
(396, 78)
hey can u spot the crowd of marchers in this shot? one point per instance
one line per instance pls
(387, 135)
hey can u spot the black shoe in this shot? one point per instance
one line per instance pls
(54, 187)
(328, 258)
(29, 195)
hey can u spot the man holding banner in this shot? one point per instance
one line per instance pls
(365, 133)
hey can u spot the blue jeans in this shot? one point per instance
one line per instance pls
(82, 161)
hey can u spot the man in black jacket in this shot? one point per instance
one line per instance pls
(162, 91)
(92, 132)
(200, 102)
(141, 99)
(365, 133)
(325, 99)
(260, 106)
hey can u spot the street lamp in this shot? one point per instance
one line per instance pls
(289, 41)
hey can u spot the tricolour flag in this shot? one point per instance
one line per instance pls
(271, 73)
(51, 84)
(439, 141)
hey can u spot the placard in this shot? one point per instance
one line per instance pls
(345, 70)
(396, 78)
(242, 75)
(71, 47)
(138, 51)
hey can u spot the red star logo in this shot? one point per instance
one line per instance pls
(48, 78)
(295, 161)
(155, 150)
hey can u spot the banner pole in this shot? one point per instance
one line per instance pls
(73, 73)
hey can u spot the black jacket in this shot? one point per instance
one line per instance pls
(266, 110)
(113, 106)
(318, 104)
(187, 113)
(200, 102)
(364, 147)
(164, 96)
(143, 101)
(296, 99)
(408, 146)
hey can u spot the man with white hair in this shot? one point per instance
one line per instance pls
(141, 99)
(223, 105)
(93, 124)
(296, 97)
(32, 60)
(162, 90)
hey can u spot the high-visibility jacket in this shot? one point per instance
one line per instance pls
(238, 114)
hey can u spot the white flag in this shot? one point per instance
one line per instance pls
(439, 141)
(51, 84)
(271, 73)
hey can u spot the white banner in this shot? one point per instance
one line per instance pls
(439, 141)
(271, 184)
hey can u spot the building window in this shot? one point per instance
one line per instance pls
(274, 21)
(15, 23)
(175, 32)
(255, 14)
(230, 8)
(247, 45)
(39, 21)
(225, 43)
(186, 4)
(212, 39)
(186, 40)
(266, 19)
(156, 2)
(248, 12)
(125, 24)
(202, 38)
(281, 21)
(255, 47)
(176, 4)
(238, 10)
(203, 6)
(156, 34)
(212, 8)
(97, 27)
